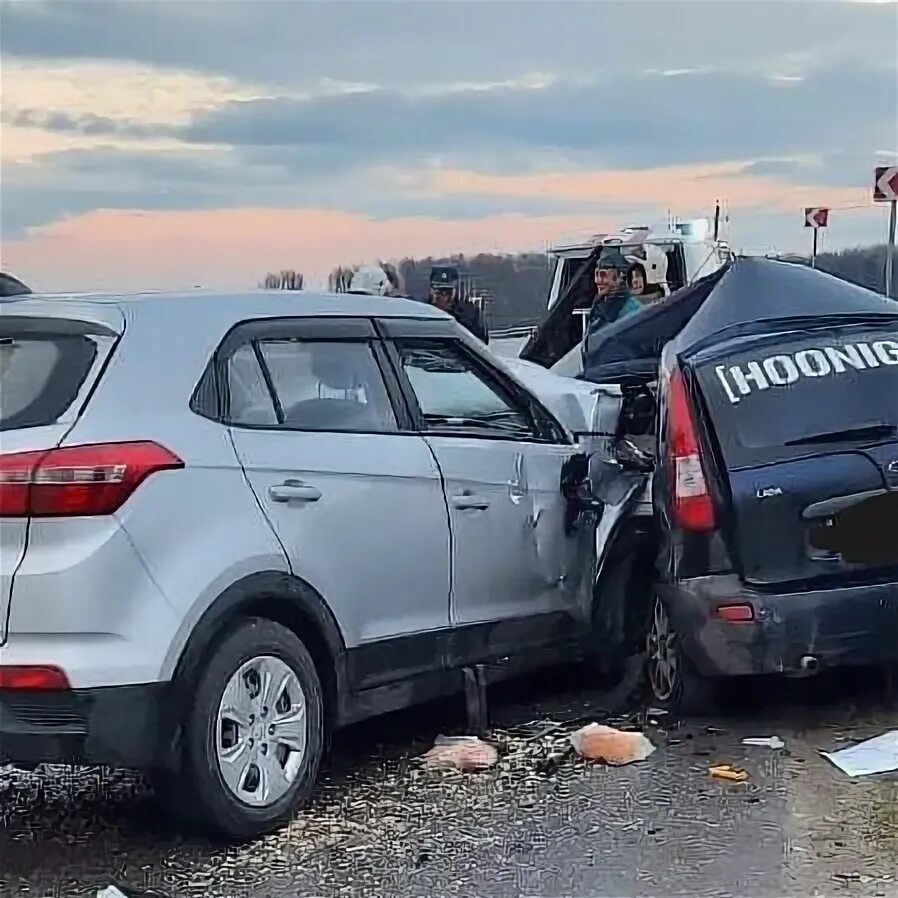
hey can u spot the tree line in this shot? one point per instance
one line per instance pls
(287, 279)
(864, 266)
(516, 287)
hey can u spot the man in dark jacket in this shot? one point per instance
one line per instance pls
(613, 297)
(444, 283)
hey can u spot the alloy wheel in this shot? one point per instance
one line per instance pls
(261, 731)
(663, 656)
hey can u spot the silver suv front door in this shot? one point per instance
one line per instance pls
(512, 557)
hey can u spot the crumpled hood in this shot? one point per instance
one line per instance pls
(572, 401)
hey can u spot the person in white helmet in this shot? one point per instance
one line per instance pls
(373, 280)
(648, 273)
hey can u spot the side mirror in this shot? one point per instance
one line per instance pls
(631, 458)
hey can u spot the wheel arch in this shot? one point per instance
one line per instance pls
(619, 593)
(283, 599)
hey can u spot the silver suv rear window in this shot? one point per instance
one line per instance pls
(42, 373)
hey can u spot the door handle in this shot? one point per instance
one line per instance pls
(294, 491)
(466, 501)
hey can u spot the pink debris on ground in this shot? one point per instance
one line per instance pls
(467, 753)
(616, 747)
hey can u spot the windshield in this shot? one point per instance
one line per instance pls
(827, 389)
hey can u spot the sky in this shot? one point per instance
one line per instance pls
(173, 143)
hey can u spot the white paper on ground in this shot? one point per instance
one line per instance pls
(876, 755)
(765, 742)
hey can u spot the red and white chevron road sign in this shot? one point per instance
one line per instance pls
(816, 217)
(885, 184)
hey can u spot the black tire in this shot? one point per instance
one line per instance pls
(620, 598)
(685, 692)
(198, 792)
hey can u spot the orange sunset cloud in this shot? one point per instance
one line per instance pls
(683, 188)
(235, 247)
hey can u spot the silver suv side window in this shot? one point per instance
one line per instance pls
(251, 402)
(325, 385)
(455, 397)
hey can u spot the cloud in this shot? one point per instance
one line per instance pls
(71, 183)
(439, 114)
(652, 120)
(559, 148)
(87, 124)
(141, 92)
(234, 248)
(777, 167)
(689, 190)
(393, 43)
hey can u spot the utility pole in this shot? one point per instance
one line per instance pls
(890, 251)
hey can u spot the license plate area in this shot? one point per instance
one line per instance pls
(865, 533)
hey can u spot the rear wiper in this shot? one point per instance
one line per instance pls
(850, 434)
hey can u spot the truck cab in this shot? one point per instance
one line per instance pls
(690, 253)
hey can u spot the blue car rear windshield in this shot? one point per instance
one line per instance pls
(792, 393)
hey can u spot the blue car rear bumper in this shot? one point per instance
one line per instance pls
(843, 627)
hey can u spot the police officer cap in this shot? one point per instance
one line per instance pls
(444, 276)
(611, 257)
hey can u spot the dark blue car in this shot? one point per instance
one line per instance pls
(774, 546)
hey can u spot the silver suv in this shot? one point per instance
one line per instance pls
(231, 523)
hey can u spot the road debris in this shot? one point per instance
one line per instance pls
(773, 742)
(728, 772)
(116, 892)
(876, 755)
(853, 877)
(596, 742)
(466, 753)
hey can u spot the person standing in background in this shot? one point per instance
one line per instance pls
(444, 294)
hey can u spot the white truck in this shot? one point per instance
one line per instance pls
(691, 254)
(595, 410)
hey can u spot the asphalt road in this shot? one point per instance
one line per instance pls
(533, 826)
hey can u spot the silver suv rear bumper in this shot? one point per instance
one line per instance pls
(120, 726)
